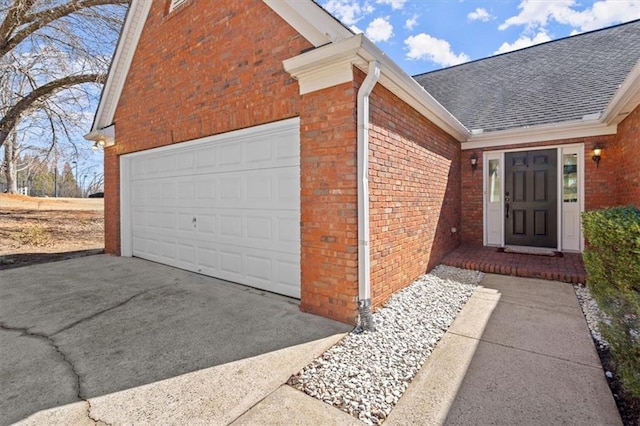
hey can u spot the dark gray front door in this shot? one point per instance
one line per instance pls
(531, 198)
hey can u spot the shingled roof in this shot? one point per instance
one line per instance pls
(558, 81)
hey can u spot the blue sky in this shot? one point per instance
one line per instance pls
(425, 35)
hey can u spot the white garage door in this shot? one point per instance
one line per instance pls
(227, 206)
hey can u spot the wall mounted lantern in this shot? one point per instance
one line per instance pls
(474, 162)
(597, 153)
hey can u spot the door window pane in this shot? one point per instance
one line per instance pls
(570, 178)
(495, 186)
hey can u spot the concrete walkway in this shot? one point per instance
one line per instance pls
(519, 352)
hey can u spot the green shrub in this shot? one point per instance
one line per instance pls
(612, 259)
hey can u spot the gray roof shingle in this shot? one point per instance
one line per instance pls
(561, 80)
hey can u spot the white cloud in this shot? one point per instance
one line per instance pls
(523, 42)
(348, 11)
(479, 14)
(395, 4)
(425, 47)
(536, 14)
(380, 29)
(411, 22)
(605, 13)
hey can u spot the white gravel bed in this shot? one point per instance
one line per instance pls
(366, 373)
(592, 313)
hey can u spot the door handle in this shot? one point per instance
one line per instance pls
(506, 205)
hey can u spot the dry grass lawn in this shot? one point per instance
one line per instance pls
(36, 230)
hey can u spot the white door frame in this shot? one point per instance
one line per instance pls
(569, 230)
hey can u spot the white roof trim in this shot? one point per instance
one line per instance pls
(625, 100)
(545, 132)
(332, 64)
(310, 20)
(136, 18)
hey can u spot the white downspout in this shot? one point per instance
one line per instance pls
(364, 261)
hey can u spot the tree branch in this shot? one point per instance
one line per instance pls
(15, 16)
(40, 19)
(11, 118)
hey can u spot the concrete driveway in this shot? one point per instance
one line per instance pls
(124, 340)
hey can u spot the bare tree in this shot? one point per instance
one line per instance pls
(54, 56)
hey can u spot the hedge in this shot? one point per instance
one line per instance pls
(612, 260)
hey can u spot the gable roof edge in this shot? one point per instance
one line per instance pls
(310, 20)
(122, 58)
(626, 98)
(540, 133)
(333, 64)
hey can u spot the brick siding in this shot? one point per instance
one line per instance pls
(329, 211)
(627, 160)
(414, 183)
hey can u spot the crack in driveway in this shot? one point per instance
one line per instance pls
(50, 340)
(110, 308)
(52, 343)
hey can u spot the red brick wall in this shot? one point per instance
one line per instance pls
(329, 211)
(600, 182)
(628, 159)
(197, 72)
(414, 186)
(471, 202)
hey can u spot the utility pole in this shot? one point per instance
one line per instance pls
(75, 178)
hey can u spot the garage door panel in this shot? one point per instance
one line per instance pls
(259, 152)
(185, 222)
(186, 253)
(207, 225)
(259, 228)
(169, 220)
(186, 188)
(230, 227)
(229, 207)
(231, 262)
(205, 157)
(289, 272)
(250, 154)
(267, 229)
(259, 268)
(185, 160)
(169, 249)
(205, 189)
(261, 190)
(288, 230)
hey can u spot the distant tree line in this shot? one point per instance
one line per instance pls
(43, 179)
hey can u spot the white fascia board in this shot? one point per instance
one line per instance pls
(310, 20)
(406, 88)
(326, 66)
(625, 100)
(332, 64)
(546, 132)
(127, 44)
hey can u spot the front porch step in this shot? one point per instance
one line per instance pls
(567, 268)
